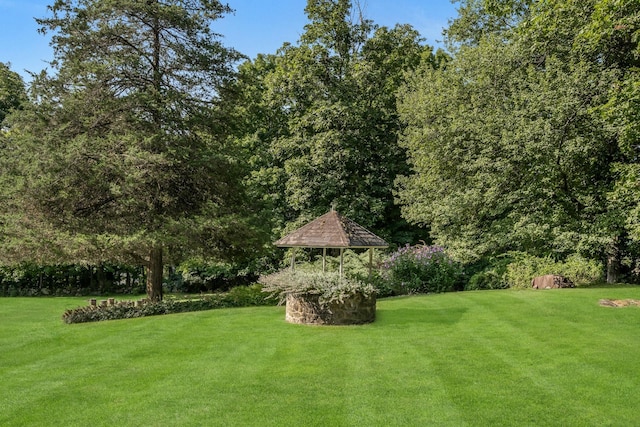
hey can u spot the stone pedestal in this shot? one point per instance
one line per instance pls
(354, 310)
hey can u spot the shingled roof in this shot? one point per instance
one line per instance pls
(332, 230)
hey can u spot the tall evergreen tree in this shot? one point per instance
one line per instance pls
(123, 155)
(12, 91)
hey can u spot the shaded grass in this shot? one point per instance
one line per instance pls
(472, 358)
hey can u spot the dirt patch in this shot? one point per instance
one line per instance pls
(619, 302)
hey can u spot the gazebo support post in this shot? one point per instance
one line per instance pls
(333, 231)
(324, 260)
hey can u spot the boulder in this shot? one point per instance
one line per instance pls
(551, 281)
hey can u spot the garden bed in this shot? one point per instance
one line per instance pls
(322, 298)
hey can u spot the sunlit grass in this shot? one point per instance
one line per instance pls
(475, 358)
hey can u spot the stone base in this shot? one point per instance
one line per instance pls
(354, 310)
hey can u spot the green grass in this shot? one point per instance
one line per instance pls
(476, 358)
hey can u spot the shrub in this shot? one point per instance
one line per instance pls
(581, 271)
(356, 266)
(329, 287)
(355, 262)
(525, 267)
(382, 286)
(241, 296)
(196, 275)
(488, 274)
(421, 269)
(246, 296)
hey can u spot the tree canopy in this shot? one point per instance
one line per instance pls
(123, 153)
(151, 139)
(325, 124)
(12, 91)
(520, 143)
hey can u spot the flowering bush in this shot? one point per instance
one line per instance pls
(329, 287)
(421, 269)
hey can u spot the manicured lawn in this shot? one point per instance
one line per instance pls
(477, 358)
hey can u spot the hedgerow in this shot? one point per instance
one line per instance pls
(524, 267)
(241, 296)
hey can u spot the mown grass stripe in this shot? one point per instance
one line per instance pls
(473, 358)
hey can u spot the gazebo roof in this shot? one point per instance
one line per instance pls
(332, 230)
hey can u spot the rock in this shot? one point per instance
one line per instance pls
(551, 281)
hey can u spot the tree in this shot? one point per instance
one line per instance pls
(326, 128)
(505, 157)
(12, 98)
(12, 91)
(603, 33)
(123, 155)
(518, 143)
(478, 19)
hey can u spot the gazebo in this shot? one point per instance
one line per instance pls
(332, 231)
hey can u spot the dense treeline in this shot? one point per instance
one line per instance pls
(155, 144)
(69, 280)
(528, 140)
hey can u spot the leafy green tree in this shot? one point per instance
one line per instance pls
(12, 97)
(481, 18)
(526, 141)
(502, 152)
(324, 119)
(603, 33)
(124, 156)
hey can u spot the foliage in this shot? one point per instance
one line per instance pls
(524, 141)
(320, 120)
(355, 262)
(123, 155)
(479, 18)
(525, 267)
(12, 91)
(329, 287)
(241, 296)
(196, 275)
(501, 165)
(355, 266)
(421, 269)
(488, 274)
(34, 280)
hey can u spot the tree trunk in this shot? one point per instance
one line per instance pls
(154, 274)
(613, 260)
(613, 267)
(101, 280)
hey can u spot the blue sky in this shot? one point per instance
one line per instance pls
(258, 26)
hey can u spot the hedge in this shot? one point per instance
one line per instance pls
(241, 296)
